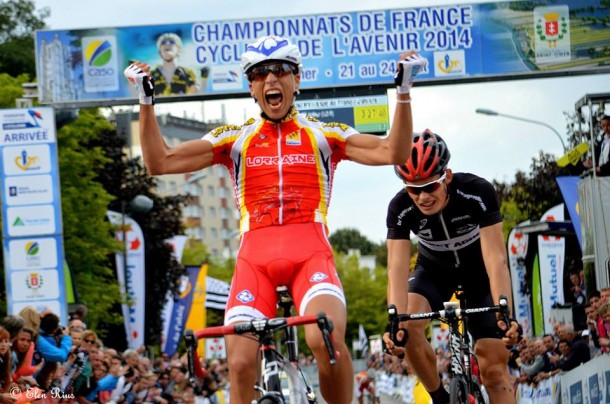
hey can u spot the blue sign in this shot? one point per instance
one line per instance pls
(32, 225)
(339, 50)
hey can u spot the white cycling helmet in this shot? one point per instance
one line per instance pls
(270, 48)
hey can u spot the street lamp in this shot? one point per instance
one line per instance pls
(485, 111)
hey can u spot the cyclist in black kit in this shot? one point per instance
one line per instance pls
(456, 218)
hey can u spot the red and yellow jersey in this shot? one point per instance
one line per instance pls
(282, 172)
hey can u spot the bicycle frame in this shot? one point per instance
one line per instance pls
(459, 342)
(272, 361)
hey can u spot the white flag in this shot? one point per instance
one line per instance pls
(364, 341)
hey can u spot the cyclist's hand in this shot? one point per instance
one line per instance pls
(138, 75)
(511, 334)
(408, 67)
(396, 349)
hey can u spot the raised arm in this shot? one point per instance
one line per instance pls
(393, 149)
(159, 158)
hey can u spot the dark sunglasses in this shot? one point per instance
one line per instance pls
(168, 42)
(278, 69)
(90, 341)
(428, 187)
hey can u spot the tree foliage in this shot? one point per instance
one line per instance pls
(11, 89)
(345, 239)
(125, 178)
(18, 21)
(88, 239)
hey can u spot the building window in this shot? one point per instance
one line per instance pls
(212, 211)
(211, 192)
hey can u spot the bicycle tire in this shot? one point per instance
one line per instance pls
(270, 400)
(458, 391)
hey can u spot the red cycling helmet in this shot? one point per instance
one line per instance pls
(429, 156)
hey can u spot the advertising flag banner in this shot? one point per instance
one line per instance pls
(131, 276)
(517, 250)
(569, 190)
(551, 253)
(196, 318)
(364, 341)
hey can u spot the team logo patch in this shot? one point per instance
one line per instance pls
(245, 296)
(293, 139)
(318, 277)
(422, 223)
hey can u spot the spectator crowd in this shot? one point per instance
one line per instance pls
(42, 361)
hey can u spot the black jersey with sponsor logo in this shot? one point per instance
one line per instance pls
(452, 236)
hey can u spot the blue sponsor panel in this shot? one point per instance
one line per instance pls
(342, 49)
(31, 211)
(576, 393)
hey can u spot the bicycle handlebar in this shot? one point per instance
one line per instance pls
(259, 327)
(394, 318)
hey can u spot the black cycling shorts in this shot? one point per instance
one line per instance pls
(437, 286)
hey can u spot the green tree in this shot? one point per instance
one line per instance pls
(88, 239)
(18, 21)
(345, 239)
(11, 89)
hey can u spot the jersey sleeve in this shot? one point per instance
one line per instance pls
(490, 214)
(222, 138)
(395, 219)
(337, 135)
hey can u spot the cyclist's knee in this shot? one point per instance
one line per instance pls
(416, 329)
(495, 376)
(240, 364)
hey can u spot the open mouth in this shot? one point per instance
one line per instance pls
(273, 97)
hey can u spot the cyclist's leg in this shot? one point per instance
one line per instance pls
(336, 381)
(419, 353)
(252, 296)
(493, 356)
(428, 289)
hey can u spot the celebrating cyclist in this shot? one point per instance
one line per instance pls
(282, 165)
(457, 221)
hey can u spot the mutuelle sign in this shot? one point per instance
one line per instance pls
(201, 60)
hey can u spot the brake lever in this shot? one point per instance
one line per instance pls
(326, 327)
(191, 346)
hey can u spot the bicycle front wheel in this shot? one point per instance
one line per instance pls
(458, 391)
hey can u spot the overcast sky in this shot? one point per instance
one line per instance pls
(492, 147)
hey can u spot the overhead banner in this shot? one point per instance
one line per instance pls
(202, 59)
(32, 229)
(131, 276)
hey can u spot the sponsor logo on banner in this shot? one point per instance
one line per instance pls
(101, 70)
(22, 160)
(31, 220)
(22, 120)
(29, 190)
(227, 78)
(26, 285)
(449, 63)
(33, 253)
(552, 34)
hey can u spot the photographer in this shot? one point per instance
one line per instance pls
(54, 346)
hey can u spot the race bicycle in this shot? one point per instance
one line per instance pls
(277, 361)
(464, 386)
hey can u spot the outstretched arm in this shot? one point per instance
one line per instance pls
(393, 149)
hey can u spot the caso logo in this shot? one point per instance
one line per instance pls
(98, 53)
(101, 72)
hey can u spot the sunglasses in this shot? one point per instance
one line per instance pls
(428, 187)
(168, 42)
(278, 69)
(90, 341)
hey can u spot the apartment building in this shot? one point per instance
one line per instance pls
(210, 215)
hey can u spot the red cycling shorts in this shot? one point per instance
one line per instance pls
(297, 256)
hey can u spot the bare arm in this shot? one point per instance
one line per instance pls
(162, 159)
(399, 260)
(393, 149)
(496, 262)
